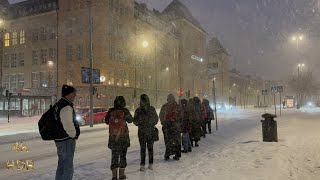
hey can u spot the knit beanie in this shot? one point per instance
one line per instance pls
(67, 90)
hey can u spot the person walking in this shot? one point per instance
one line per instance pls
(119, 140)
(171, 128)
(146, 118)
(69, 132)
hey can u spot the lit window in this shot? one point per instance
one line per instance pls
(14, 38)
(7, 39)
(22, 37)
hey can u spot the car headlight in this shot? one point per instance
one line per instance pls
(79, 118)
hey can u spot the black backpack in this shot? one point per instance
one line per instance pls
(48, 124)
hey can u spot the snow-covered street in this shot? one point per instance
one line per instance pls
(234, 152)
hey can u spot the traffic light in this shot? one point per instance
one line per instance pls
(188, 94)
(94, 91)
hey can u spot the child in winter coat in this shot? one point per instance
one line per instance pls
(119, 141)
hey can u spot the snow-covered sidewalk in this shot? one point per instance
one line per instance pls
(234, 152)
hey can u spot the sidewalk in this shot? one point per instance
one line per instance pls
(26, 128)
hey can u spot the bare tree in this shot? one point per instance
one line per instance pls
(304, 85)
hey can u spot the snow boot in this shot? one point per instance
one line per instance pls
(196, 144)
(176, 157)
(150, 167)
(121, 173)
(142, 168)
(114, 174)
(166, 158)
(189, 149)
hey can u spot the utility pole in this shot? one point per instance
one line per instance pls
(91, 65)
(215, 103)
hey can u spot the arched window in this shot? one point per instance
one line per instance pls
(7, 39)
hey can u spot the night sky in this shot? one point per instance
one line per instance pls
(257, 33)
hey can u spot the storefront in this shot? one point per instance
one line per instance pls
(22, 105)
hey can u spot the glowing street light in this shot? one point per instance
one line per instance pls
(145, 43)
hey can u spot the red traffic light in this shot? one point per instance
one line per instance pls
(180, 92)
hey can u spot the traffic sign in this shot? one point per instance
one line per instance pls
(279, 88)
(274, 89)
(264, 92)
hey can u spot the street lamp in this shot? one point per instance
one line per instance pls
(2, 32)
(145, 44)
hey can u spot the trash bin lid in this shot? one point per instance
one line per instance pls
(267, 115)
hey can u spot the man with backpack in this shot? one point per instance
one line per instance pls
(119, 140)
(67, 133)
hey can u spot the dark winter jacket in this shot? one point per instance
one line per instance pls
(122, 142)
(186, 124)
(209, 110)
(145, 117)
(62, 134)
(194, 109)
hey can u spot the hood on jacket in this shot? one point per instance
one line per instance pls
(184, 103)
(144, 100)
(170, 98)
(119, 102)
(205, 102)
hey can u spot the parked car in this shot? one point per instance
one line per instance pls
(82, 115)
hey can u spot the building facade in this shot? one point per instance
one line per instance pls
(136, 50)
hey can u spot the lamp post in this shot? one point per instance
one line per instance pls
(2, 32)
(145, 44)
(297, 39)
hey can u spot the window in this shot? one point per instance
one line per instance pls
(13, 60)
(6, 60)
(35, 36)
(35, 79)
(7, 40)
(79, 52)
(69, 53)
(52, 34)
(43, 56)
(21, 59)
(52, 79)
(22, 37)
(44, 79)
(13, 81)
(52, 54)
(35, 57)
(43, 33)
(83, 4)
(20, 81)
(14, 38)
(111, 52)
(111, 5)
(6, 80)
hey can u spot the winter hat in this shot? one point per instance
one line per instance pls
(66, 90)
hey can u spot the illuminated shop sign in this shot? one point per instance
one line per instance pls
(196, 58)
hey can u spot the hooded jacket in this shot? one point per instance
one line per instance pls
(119, 143)
(145, 117)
